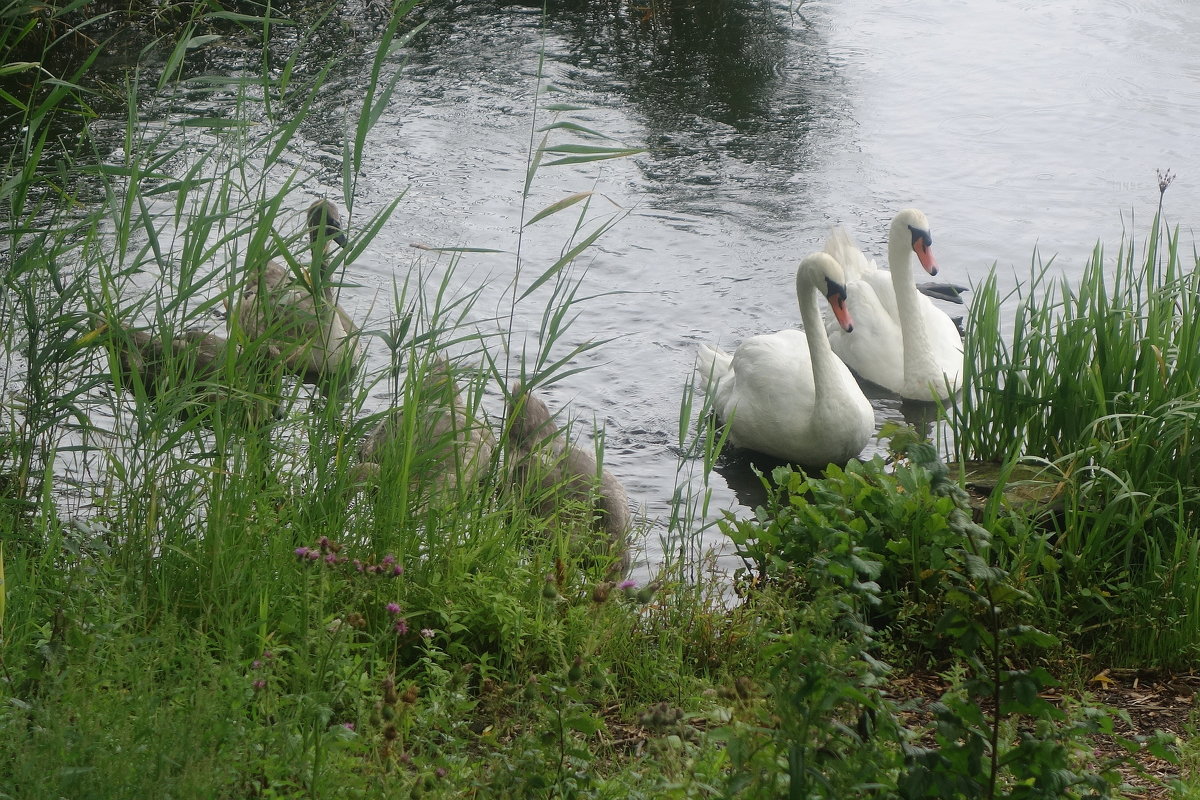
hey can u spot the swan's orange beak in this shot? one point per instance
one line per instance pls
(922, 248)
(837, 301)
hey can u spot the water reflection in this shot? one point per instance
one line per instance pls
(729, 94)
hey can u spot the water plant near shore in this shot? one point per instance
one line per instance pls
(1098, 386)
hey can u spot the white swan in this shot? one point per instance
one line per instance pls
(786, 394)
(901, 341)
(317, 338)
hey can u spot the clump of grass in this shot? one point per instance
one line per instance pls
(1098, 383)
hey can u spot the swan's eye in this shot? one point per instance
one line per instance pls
(834, 289)
(920, 236)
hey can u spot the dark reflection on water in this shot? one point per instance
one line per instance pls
(728, 92)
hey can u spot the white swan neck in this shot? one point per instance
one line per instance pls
(823, 359)
(914, 337)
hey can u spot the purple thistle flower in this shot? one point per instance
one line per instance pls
(268, 655)
(393, 608)
(331, 559)
(397, 570)
(256, 664)
(388, 560)
(348, 726)
(259, 684)
(313, 555)
(627, 584)
(323, 542)
(358, 565)
(401, 627)
(301, 552)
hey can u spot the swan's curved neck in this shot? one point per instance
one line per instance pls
(319, 266)
(915, 339)
(823, 359)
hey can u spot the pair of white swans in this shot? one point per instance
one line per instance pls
(790, 394)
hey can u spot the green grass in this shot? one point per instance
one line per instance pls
(1098, 384)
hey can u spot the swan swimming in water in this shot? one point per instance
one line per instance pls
(201, 363)
(450, 447)
(317, 338)
(786, 394)
(901, 341)
(558, 474)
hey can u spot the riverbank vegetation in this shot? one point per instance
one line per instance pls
(196, 601)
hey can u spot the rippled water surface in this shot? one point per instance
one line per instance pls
(1013, 125)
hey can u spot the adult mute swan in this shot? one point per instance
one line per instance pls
(316, 336)
(901, 341)
(786, 394)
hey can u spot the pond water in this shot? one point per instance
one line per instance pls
(1014, 125)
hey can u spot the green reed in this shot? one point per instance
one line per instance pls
(167, 607)
(1098, 382)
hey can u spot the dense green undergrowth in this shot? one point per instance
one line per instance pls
(199, 602)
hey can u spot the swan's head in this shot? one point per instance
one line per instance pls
(822, 272)
(325, 222)
(912, 225)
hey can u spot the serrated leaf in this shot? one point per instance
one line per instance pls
(19, 66)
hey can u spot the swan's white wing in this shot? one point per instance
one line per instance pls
(854, 262)
(716, 377)
(874, 349)
(769, 400)
(880, 283)
(945, 345)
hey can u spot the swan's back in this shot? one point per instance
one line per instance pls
(556, 472)
(854, 261)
